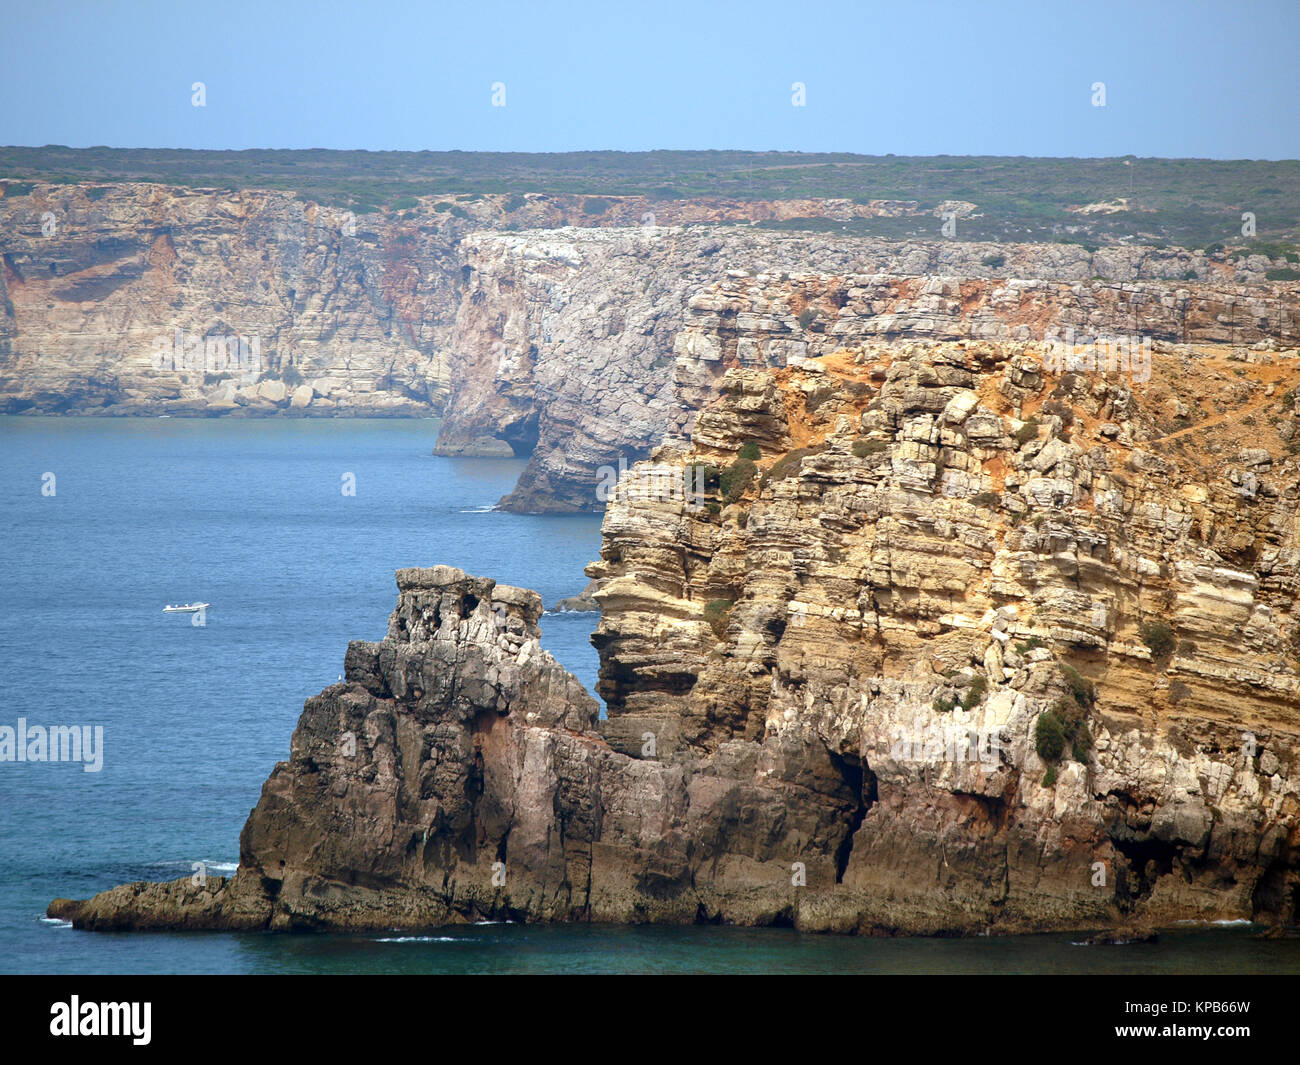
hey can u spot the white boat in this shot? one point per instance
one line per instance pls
(185, 608)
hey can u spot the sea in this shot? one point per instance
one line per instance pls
(291, 530)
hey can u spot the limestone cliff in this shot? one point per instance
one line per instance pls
(137, 298)
(585, 348)
(559, 327)
(337, 313)
(910, 637)
(1048, 618)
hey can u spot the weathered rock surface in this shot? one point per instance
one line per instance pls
(587, 348)
(339, 314)
(568, 345)
(939, 545)
(827, 679)
(458, 774)
(584, 601)
(356, 308)
(350, 314)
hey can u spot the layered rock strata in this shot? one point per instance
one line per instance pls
(938, 546)
(908, 638)
(556, 343)
(142, 299)
(339, 313)
(584, 349)
(458, 774)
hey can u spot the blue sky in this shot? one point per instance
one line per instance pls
(1189, 78)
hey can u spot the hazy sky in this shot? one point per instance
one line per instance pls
(1189, 78)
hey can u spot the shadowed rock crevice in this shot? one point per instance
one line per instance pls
(861, 782)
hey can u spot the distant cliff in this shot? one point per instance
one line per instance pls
(562, 328)
(145, 299)
(582, 348)
(339, 314)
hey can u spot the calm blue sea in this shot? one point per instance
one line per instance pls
(250, 517)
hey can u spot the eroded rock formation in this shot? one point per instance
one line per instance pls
(910, 637)
(458, 774)
(585, 348)
(340, 313)
(936, 547)
(569, 329)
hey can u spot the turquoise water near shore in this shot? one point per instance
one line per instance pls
(250, 517)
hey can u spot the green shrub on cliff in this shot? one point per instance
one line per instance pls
(975, 694)
(1027, 432)
(736, 478)
(1081, 748)
(705, 475)
(863, 448)
(1049, 737)
(1159, 638)
(1061, 410)
(749, 450)
(788, 465)
(716, 613)
(1065, 724)
(1085, 694)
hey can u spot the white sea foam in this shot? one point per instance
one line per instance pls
(418, 939)
(1226, 921)
(56, 922)
(486, 508)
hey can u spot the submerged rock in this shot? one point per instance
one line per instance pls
(584, 601)
(1121, 937)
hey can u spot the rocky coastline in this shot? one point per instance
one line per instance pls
(531, 326)
(903, 637)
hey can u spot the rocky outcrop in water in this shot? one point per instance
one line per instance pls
(458, 774)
